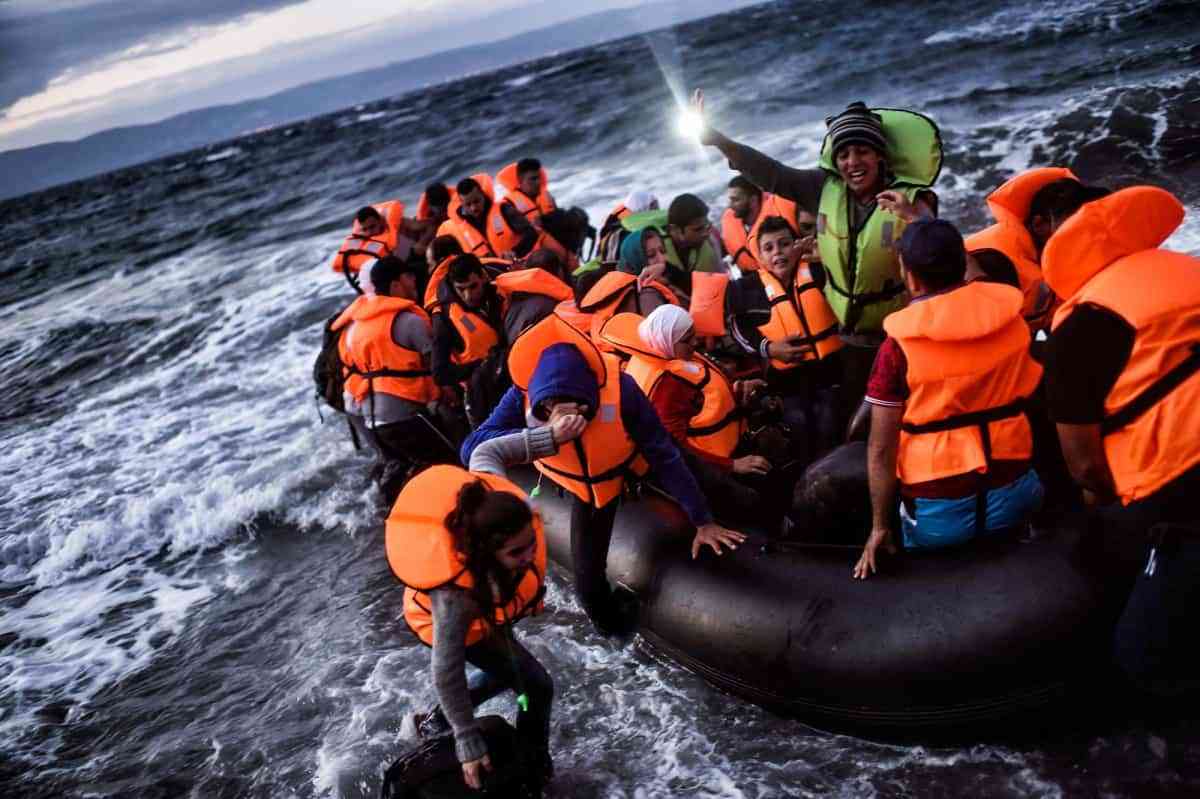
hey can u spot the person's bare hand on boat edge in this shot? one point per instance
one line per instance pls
(745, 390)
(714, 535)
(473, 771)
(751, 464)
(866, 563)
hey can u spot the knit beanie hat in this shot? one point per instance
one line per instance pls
(856, 125)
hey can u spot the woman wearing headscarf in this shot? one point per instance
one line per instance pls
(637, 201)
(635, 287)
(644, 253)
(684, 387)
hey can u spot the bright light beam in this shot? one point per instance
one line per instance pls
(690, 125)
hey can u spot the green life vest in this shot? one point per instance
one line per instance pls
(703, 259)
(863, 267)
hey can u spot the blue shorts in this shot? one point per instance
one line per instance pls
(946, 522)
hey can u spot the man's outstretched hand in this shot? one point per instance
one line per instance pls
(707, 134)
(714, 535)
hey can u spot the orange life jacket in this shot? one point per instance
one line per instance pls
(594, 466)
(718, 426)
(531, 207)
(604, 299)
(503, 239)
(485, 185)
(742, 244)
(1009, 205)
(531, 281)
(619, 212)
(469, 237)
(423, 556)
(708, 302)
(802, 312)
(374, 363)
(969, 375)
(1106, 254)
(569, 312)
(358, 250)
(430, 300)
(423, 210)
(478, 335)
(436, 279)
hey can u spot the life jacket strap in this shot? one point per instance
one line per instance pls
(390, 372)
(716, 427)
(1155, 393)
(970, 419)
(620, 470)
(981, 420)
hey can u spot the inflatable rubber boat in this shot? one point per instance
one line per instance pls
(936, 640)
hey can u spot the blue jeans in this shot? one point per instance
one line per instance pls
(946, 522)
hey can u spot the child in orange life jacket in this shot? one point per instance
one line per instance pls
(780, 314)
(473, 557)
(948, 397)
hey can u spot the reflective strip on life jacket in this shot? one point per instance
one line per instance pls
(477, 335)
(358, 250)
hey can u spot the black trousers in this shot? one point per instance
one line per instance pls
(505, 664)
(591, 535)
(403, 448)
(1155, 641)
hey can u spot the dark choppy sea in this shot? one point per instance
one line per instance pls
(193, 594)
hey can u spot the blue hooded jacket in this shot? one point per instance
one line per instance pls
(562, 371)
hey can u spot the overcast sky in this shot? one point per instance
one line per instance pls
(69, 68)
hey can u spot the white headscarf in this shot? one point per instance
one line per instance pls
(664, 328)
(640, 201)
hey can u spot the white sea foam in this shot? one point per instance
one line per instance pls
(1020, 21)
(221, 155)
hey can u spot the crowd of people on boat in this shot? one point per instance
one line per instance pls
(1050, 360)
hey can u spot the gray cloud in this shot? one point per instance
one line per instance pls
(37, 44)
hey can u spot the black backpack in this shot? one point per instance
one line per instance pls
(432, 771)
(329, 373)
